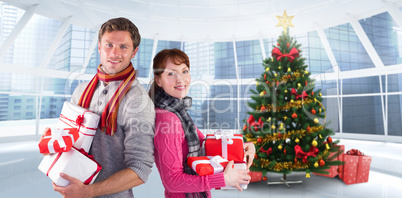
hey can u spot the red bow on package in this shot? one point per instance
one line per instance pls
(88, 181)
(354, 152)
(301, 154)
(303, 95)
(291, 56)
(251, 122)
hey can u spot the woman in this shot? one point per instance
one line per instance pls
(176, 136)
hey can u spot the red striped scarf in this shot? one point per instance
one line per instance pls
(109, 114)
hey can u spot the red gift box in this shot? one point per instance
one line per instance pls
(229, 146)
(207, 165)
(333, 170)
(356, 168)
(58, 140)
(255, 176)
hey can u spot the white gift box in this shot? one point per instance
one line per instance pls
(237, 166)
(74, 116)
(73, 163)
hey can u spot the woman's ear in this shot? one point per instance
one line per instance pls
(158, 81)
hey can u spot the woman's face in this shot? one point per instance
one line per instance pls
(175, 79)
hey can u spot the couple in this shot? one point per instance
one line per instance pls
(125, 141)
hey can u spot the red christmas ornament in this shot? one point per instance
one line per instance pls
(265, 92)
(313, 111)
(277, 83)
(288, 75)
(295, 160)
(284, 151)
(259, 139)
(267, 82)
(308, 129)
(264, 178)
(255, 156)
(287, 45)
(312, 93)
(321, 162)
(294, 115)
(279, 135)
(305, 82)
(265, 76)
(244, 128)
(329, 140)
(277, 44)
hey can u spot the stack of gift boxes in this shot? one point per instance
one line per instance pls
(66, 147)
(219, 149)
(356, 168)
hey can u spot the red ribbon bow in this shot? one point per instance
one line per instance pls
(301, 154)
(88, 181)
(354, 152)
(251, 122)
(304, 94)
(268, 152)
(291, 56)
(79, 120)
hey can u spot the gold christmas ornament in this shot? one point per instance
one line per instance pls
(280, 147)
(316, 164)
(275, 75)
(298, 85)
(286, 91)
(284, 21)
(284, 118)
(292, 101)
(307, 175)
(269, 119)
(320, 94)
(316, 120)
(267, 69)
(327, 146)
(257, 83)
(306, 72)
(273, 127)
(297, 140)
(289, 69)
(279, 67)
(314, 143)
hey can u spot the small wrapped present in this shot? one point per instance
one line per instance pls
(356, 168)
(58, 140)
(334, 170)
(229, 146)
(237, 166)
(255, 176)
(74, 116)
(207, 165)
(75, 163)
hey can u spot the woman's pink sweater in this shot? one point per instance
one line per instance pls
(171, 150)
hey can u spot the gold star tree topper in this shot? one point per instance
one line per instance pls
(284, 21)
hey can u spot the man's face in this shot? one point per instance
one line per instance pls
(116, 51)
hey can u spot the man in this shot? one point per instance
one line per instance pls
(123, 143)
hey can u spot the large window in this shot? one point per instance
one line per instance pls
(222, 73)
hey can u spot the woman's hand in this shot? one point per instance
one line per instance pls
(250, 152)
(235, 177)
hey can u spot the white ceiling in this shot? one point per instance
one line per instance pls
(210, 20)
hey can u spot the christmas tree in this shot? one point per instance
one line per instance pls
(286, 122)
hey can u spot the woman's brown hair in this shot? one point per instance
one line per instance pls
(159, 64)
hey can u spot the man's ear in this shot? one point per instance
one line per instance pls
(99, 45)
(134, 53)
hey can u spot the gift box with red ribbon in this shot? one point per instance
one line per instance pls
(229, 146)
(86, 122)
(207, 165)
(334, 170)
(58, 140)
(76, 163)
(255, 176)
(356, 168)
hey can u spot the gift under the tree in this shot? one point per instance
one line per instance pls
(255, 176)
(74, 116)
(75, 163)
(207, 165)
(229, 146)
(334, 170)
(242, 166)
(356, 168)
(57, 140)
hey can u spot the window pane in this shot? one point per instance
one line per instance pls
(363, 115)
(394, 115)
(361, 85)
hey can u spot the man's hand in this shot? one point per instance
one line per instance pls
(75, 189)
(235, 177)
(250, 151)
